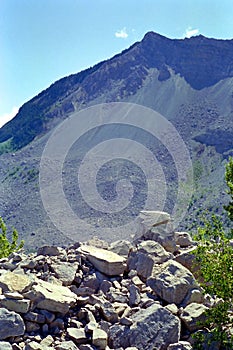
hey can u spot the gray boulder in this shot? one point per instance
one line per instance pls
(172, 282)
(143, 257)
(5, 345)
(154, 328)
(11, 324)
(193, 315)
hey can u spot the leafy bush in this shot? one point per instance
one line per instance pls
(214, 255)
(7, 247)
(229, 181)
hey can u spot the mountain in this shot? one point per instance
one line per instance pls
(188, 81)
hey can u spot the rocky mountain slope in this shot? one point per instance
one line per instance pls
(95, 295)
(188, 81)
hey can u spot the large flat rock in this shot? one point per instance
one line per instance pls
(10, 281)
(52, 297)
(105, 261)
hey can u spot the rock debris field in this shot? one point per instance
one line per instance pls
(96, 295)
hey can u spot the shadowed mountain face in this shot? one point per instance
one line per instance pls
(189, 81)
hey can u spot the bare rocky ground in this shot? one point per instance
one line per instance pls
(96, 295)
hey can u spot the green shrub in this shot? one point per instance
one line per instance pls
(229, 181)
(214, 255)
(7, 247)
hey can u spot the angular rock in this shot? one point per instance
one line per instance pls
(192, 315)
(20, 306)
(52, 297)
(143, 258)
(49, 250)
(172, 282)
(49, 316)
(155, 225)
(163, 236)
(32, 327)
(109, 313)
(149, 218)
(193, 296)
(66, 345)
(33, 346)
(181, 345)
(188, 260)
(154, 328)
(47, 341)
(34, 317)
(78, 335)
(134, 295)
(65, 272)
(121, 247)
(107, 262)
(99, 338)
(98, 243)
(11, 324)
(13, 295)
(183, 239)
(5, 345)
(118, 336)
(13, 282)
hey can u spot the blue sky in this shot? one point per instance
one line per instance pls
(44, 40)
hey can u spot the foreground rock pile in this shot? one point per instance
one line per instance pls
(140, 295)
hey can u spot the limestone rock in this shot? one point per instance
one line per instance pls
(154, 328)
(157, 226)
(181, 345)
(20, 306)
(11, 324)
(49, 250)
(13, 282)
(121, 247)
(33, 346)
(66, 345)
(65, 272)
(118, 336)
(99, 338)
(187, 259)
(77, 334)
(192, 315)
(5, 345)
(148, 219)
(134, 295)
(143, 257)
(105, 261)
(164, 236)
(109, 313)
(53, 297)
(172, 282)
(183, 239)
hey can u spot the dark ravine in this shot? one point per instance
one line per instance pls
(95, 295)
(188, 81)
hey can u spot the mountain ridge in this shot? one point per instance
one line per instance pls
(202, 117)
(154, 51)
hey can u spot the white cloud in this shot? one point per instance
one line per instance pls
(190, 32)
(8, 116)
(121, 34)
